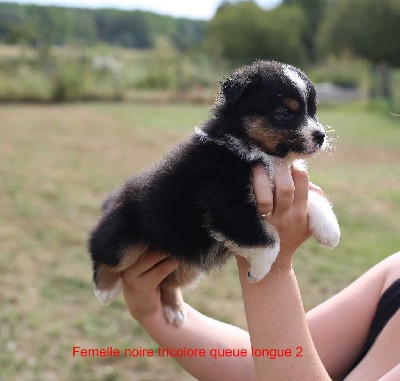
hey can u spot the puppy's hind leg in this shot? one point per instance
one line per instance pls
(107, 278)
(108, 282)
(171, 295)
(172, 301)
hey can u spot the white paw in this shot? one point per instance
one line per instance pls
(107, 296)
(329, 237)
(260, 258)
(175, 317)
(253, 277)
(260, 261)
(322, 221)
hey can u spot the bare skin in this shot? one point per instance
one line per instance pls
(330, 336)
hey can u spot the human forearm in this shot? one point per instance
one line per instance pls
(393, 375)
(276, 320)
(203, 333)
(142, 294)
(274, 308)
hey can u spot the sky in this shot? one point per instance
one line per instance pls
(196, 9)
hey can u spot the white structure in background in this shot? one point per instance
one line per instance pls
(331, 92)
(107, 63)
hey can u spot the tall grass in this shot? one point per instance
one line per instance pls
(71, 74)
(58, 74)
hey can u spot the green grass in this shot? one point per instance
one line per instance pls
(57, 163)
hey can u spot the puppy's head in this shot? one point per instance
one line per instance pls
(272, 105)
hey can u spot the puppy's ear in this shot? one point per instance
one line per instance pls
(232, 88)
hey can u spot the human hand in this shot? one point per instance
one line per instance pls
(141, 285)
(286, 208)
(289, 215)
(274, 308)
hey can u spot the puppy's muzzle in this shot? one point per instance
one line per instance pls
(318, 137)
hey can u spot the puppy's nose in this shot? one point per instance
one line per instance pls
(319, 136)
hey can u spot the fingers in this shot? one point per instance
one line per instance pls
(149, 271)
(284, 190)
(145, 263)
(262, 189)
(301, 185)
(291, 189)
(157, 274)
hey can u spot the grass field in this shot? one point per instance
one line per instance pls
(57, 163)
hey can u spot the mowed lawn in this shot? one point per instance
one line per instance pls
(56, 165)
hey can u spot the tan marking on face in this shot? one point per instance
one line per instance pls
(292, 104)
(262, 134)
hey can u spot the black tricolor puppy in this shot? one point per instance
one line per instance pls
(197, 204)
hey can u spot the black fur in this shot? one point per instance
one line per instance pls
(173, 206)
(203, 186)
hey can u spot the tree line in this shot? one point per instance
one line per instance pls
(324, 37)
(297, 31)
(304, 31)
(50, 25)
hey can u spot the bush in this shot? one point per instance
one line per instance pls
(24, 83)
(243, 32)
(64, 74)
(344, 71)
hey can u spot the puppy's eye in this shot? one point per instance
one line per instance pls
(283, 113)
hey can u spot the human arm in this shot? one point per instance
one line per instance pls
(142, 293)
(340, 325)
(332, 324)
(393, 375)
(274, 308)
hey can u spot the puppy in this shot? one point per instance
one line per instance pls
(197, 205)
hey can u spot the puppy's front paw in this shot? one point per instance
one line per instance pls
(260, 261)
(174, 316)
(107, 296)
(328, 236)
(322, 221)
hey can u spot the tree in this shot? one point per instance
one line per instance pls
(313, 11)
(367, 28)
(244, 32)
(48, 25)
